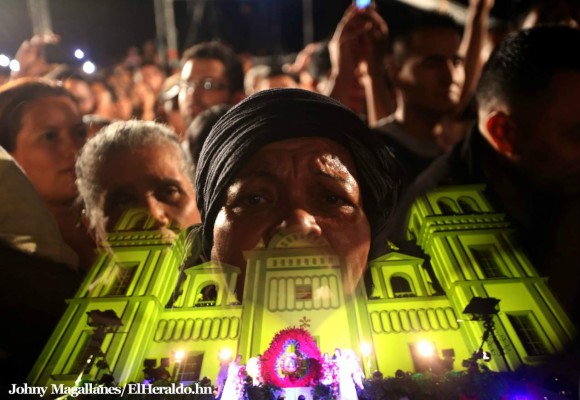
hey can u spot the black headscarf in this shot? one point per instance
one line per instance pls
(279, 114)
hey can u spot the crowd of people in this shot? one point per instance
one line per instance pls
(320, 147)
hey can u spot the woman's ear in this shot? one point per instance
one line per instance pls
(501, 132)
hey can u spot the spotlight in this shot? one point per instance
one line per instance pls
(477, 355)
(14, 66)
(179, 355)
(484, 309)
(485, 356)
(225, 354)
(365, 349)
(481, 307)
(79, 54)
(4, 60)
(89, 67)
(425, 349)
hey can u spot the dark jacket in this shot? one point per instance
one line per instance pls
(547, 224)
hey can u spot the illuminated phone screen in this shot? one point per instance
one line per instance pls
(363, 3)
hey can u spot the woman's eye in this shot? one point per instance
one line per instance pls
(82, 133)
(254, 200)
(333, 199)
(50, 136)
(169, 194)
(122, 201)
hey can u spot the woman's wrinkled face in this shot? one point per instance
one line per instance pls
(50, 137)
(306, 186)
(150, 177)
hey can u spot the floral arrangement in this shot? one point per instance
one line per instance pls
(239, 381)
(285, 369)
(253, 370)
(329, 377)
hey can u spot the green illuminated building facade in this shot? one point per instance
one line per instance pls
(136, 314)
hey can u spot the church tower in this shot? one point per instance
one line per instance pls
(407, 313)
(474, 253)
(112, 317)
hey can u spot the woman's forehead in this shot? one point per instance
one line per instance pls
(298, 156)
(150, 155)
(322, 149)
(305, 143)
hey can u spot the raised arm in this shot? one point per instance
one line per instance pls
(344, 55)
(472, 43)
(373, 42)
(30, 56)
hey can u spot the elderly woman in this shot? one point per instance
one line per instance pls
(136, 164)
(293, 161)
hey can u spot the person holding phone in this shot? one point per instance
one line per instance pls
(30, 56)
(357, 53)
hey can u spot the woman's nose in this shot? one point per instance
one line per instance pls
(297, 221)
(157, 211)
(70, 147)
(301, 222)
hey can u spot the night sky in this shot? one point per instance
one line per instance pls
(106, 28)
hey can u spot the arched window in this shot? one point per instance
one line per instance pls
(207, 296)
(468, 205)
(401, 287)
(447, 206)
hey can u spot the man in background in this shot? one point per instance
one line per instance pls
(211, 74)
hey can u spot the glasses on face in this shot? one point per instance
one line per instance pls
(205, 85)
